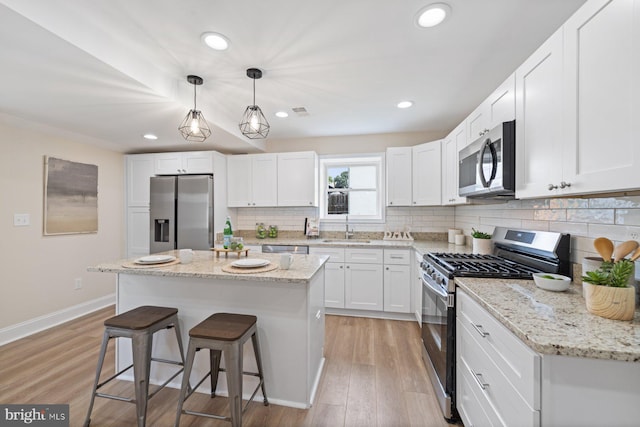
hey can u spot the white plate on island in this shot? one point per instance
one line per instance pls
(155, 259)
(250, 263)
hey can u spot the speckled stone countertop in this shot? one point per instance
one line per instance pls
(555, 323)
(206, 265)
(422, 246)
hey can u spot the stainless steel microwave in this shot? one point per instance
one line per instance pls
(486, 167)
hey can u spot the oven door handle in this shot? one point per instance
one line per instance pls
(434, 287)
(494, 163)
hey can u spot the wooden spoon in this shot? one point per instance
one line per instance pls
(604, 247)
(636, 254)
(624, 249)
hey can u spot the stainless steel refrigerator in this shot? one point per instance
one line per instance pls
(181, 212)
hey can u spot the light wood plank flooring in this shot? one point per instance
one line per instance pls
(373, 376)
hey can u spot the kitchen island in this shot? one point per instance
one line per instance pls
(289, 305)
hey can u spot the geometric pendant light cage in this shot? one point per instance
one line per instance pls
(254, 124)
(194, 127)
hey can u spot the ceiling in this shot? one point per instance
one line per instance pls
(113, 70)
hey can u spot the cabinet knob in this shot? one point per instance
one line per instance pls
(311, 203)
(341, 267)
(348, 266)
(414, 203)
(565, 184)
(248, 203)
(254, 203)
(552, 187)
(387, 268)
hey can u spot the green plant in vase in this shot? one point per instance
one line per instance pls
(607, 290)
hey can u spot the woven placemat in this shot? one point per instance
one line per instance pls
(129, 264)
(231, 269)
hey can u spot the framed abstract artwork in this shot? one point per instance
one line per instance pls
(70, 197)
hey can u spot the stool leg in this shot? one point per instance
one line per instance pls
(103, 351)
(188, 365)
(214, 356)
(141, 343)
(233, 364)
(180, 346)
(258, 356)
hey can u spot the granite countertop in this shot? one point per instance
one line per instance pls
(422, 246)
(206, 265)
(555, 323)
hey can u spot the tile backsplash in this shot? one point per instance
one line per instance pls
(617, 218)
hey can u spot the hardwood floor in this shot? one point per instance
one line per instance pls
(373, 376)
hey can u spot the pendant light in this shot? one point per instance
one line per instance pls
(194, 127)
(254, 125)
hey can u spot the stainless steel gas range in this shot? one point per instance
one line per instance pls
(516, 254)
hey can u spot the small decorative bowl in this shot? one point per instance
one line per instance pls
(551, 281)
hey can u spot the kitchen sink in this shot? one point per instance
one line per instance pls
(346, 241)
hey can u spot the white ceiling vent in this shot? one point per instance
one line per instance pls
(300, 111)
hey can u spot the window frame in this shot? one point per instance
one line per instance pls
(370, 159)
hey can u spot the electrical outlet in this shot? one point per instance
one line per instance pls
(633, 235)
(78, 283)
(21, 220)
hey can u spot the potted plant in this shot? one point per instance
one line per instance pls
(607, 291)
(482, 243)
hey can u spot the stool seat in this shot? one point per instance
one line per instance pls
(223, 326)
(223, 334)
(141, 317)
(139, 325)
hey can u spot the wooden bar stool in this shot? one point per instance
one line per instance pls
(138, 324)
(223, 333)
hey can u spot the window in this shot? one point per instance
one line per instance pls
(352, 186)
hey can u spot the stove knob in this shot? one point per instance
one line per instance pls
(434, 276)
(440, 280)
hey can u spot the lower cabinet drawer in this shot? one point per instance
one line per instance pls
(473, 407)
(489, 381)
(515, 360)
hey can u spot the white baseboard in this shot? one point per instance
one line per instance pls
(370, 313)
(31, 326)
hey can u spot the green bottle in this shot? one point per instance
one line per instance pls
(228, 233)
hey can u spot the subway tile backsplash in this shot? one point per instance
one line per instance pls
(617, 218)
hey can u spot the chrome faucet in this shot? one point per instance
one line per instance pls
(347, 233)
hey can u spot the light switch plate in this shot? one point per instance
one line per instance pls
(21, 220)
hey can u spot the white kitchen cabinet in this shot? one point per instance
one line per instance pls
(363, 281)
(191, 162)
(601, 98)
(497, 108)
(364, 286)
(497, 375)
(298, 179)
(252, 180)
(539, 120)
(334, 276)
(139, 168)
(397, 280)
(427, 174)
(138, 230)
(399, 176)
(451, 145)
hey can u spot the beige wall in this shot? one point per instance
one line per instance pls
(352, 143)
(38, 272)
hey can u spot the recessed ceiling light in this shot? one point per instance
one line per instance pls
(215, 41)
(149, 136)
(432, 15)
(405, 104)
(282, 114)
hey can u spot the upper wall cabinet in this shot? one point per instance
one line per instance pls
(539, 123)
(186, 162)
(298, 179)
(497, 108)
(601, 90)
(252, 180)
(139, 168)
(451, 145)
(578, 105)
(427, 174)
(399, 176)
